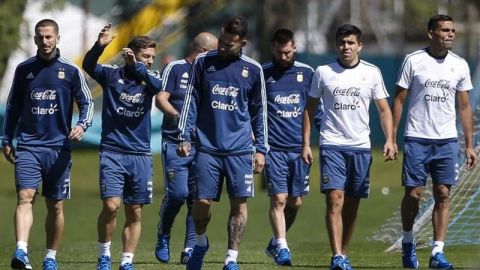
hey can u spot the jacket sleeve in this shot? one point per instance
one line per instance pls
(188, 117)
(13, 109)
(152, 78)
(90, 64)
(257, 108)
(84, 100)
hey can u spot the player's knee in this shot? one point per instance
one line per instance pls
(441, 196)
(54, 206)
(414, 194)
(278, 201)
(203, 203)
(25, 201)
(294, 203)
(133, 213)
(26, 197)
(110, 207)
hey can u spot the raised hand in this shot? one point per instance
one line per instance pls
(105, 36)
(128, 56)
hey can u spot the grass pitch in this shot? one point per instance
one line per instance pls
(307, 238)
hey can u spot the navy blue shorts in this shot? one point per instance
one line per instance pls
(212, 169)
(126, 176)
(421, 158)
(178, 172)
(286, 172)
(345, 169)
(42, 164)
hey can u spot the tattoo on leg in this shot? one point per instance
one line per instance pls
(236, 227)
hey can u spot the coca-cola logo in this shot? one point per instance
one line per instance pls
(291, 99)
(44, 95)
(347, 92)
(442, 84)
(230, 91)
(135, 98)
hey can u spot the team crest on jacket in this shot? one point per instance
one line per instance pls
(61, 74)
(245, 72)
(299, 77)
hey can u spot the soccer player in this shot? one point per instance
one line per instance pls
(125, 156)
(347, 87)
(434, 79)
(287, 84)
(226, 104)
(178, 172)
(39, 109)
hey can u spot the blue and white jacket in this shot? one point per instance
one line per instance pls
(287, 92)
(40, 104)
(127, 102)
(174, 81)
(226, 102)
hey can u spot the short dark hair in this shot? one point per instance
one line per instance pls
(237, 25)
(47, 22)
(348, 29)
(141, 42)
(433, 21)
(283, 36)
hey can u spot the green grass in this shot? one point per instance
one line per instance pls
(307, 238)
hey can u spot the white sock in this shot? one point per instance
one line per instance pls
(408, 237)
(127, 257)
(187, 249)
(50, 254)
(104, 249)
(202, 240)
(22, 245)
(437, 247)
(281, 243)
(232, 256)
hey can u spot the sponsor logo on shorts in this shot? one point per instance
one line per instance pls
(150, 188)
(249, 182)
(170, 175)
(325, 179)
(103, 187)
